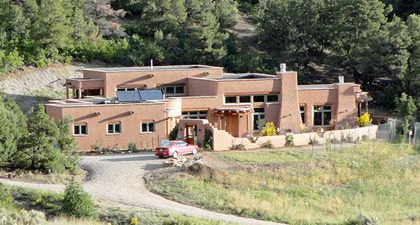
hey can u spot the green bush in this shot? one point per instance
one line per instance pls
(290, 140)
(22, 217)
(6, 199)
(208, 140)
(174, 133)
(77, 203)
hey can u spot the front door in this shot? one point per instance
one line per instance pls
(259, 119)
(191, 134)
(232, 125)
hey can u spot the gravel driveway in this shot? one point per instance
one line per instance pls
(119, 178)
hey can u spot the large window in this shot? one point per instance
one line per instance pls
(80, 129)
(259, 98)
(302, 113)
(114, 127)
(230, 99)
(148, 127)
(130, 88)
(173, 90)
(272, 98)
(243, 99)
(322, 115)
(194, 115)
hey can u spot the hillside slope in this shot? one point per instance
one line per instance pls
(38, 85)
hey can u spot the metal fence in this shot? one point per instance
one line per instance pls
(416, 134)
(387, 131)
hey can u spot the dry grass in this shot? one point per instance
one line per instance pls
(381, 180)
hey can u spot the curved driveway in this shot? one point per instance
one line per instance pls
(119, 178)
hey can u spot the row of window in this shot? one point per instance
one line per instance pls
(322, 114)
(81, 129)
(167, 90)
(235, 99)
(194, 115)
(322, 117)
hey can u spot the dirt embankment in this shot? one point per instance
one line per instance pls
(33, 86)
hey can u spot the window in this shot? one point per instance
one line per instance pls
(258, 98)
(114, 127)
(322, 115)
(244, 99)
(148, 127)
(173, 90)
(181, 143)
(130, 88)
(80, 129)
(272, 98)
(259, 119)
(302, 113)
(230, 99)
(195, 115)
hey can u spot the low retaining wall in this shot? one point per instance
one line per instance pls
(299, 139)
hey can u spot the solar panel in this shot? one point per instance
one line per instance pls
(128, 96)
(151, 95)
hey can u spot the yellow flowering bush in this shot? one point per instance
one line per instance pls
(364, 120)
(268, 130)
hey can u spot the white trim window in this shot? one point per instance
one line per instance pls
(130, 88)
(114, 128)
(302, 113)
(273, 98)
(231, 99)
(194, 115)
(173, 90)
(148, 127)
(80, 129)
(322, 115)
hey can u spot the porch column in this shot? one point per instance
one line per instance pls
(80, 93)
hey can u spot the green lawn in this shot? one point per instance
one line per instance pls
(298, 187)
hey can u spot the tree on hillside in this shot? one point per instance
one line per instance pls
(13, 129)
(291, 31)
(44, 147)
(365, 45)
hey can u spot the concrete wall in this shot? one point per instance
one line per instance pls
(300, 139)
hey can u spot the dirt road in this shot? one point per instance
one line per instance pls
(119, 178)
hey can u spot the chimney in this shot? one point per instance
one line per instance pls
(283, 67)
(341, 79)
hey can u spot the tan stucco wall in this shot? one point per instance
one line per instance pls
(289, 114)
(130, 124)
(309, 98)
(113, 79)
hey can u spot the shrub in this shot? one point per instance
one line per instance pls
(22, 217)
(290, 140)
(208, 140)
(77, 203)
(268, 130)
(365, 137)
(132, 146)
(238, 147)
(267, 144)
(6, 199)
(364, 120)
(174, 133)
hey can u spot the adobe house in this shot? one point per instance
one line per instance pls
(112, 107)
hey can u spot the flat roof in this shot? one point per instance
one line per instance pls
(243, 76)
(148, 68)
(315, 87)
